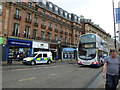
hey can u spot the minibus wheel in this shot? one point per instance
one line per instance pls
(33, 63)
(48, 62)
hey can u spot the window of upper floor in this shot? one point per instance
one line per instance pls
(61, 28)
(55, 37)
(50, 24)
(0, 9)
(43, 22)
(78, 19)
(65, 39)
(42, 34)
(65, 14)
(50, 5)
(44, 12)
(27, 31)
(29, 4)
(43, 1)
(69, 16)
(34, 33)
(50, 14)
(75, 18)
(56, 26)
(56, 8)
(61, 12)
(18, 1)
(28, 15)
(49, 36)
(17, 11)
(16, 29)
(35, 19)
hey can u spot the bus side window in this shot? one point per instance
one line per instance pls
(39, 56)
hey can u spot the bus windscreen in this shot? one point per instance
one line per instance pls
(88, 38)
(87, 51)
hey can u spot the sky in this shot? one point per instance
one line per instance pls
(99, 11)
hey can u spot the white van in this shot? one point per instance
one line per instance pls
(38, 57)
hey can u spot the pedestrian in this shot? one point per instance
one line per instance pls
(111, 70)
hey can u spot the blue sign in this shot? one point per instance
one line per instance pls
(19, 43)
(68, 49)
(117, 10)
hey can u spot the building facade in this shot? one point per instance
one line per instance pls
(28, 27)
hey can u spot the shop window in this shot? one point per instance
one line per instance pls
(44, 55)
(16, 30)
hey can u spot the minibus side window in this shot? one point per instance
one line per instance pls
(39, 56)
(44, 55)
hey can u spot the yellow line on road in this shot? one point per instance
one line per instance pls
(27, 79)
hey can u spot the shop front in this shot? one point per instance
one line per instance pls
(39, 46)
(68, 53)
(18, 49)
(54, 49)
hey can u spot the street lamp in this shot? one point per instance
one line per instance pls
(114, 24)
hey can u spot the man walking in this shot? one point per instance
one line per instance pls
(111, 70)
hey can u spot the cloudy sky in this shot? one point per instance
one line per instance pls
(100, 11)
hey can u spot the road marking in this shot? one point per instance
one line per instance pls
(81, 68)
(19, 69)
(53, 74)
(27, 79)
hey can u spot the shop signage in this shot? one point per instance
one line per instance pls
(1, 40)
(20, 43)
(68, 49)
(40, 45)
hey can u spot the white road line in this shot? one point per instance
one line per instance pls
(26, 79)
(54, 74)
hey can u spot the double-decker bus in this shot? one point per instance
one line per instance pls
(91, 50)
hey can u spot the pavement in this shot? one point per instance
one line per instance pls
(99, 82)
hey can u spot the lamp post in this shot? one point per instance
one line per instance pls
(114, 24)
(59, 50)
